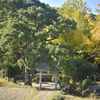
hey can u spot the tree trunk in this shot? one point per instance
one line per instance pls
(28, 77)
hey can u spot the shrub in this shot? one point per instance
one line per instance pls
(12, 80)
(94, 95)
(78, 69)
(59, 98)
(70, 89)
(84, 69)
(4, 72)
(85, 93)
(63, 82)
(79, 88)
(36, 79)
(86, 83)
(53, 78)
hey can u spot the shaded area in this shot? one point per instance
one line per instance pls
(46, 86)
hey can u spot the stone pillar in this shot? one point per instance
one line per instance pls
(40, 81)
(94, 78)
(56, 80)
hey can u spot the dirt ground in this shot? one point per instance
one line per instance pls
(10, 93)
(7, 93)
(45, 85)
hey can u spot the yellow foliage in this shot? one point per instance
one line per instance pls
(71, 81)
(74, 38)
(53, 41)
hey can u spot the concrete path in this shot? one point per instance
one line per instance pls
(33, 98)
(46, 85)
(47, 88)
(44, 98)
(43, 95)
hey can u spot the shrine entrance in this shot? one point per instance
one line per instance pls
(43, 70)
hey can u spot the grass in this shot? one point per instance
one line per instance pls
(32, 91)
(4, 83)
(54, 95)
(40, 97)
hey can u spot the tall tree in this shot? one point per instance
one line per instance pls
(77, 39)
(22, 34)
(93, 49)
(76, 10)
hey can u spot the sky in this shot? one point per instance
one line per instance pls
(58, 3)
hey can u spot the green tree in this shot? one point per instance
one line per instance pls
(23, 37)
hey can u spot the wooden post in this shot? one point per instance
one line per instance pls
(40, 81)
(56, 80)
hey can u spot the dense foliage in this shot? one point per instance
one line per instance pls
(68, 37)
